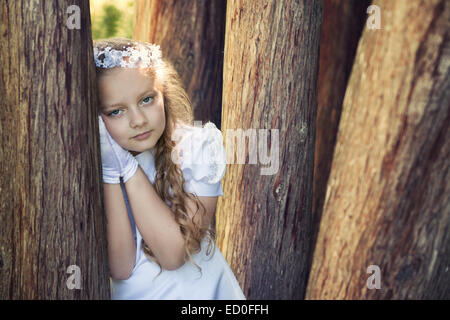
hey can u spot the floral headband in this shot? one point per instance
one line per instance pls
(143, 55)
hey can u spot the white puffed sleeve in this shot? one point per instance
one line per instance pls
(202, 158)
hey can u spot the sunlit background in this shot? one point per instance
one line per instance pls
(112, 18)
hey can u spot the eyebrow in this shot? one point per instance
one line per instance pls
(150, 91)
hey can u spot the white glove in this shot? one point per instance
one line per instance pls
(116, 161)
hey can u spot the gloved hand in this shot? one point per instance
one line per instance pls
(116, 161)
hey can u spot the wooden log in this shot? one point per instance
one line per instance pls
(191, 35)
(387, 201)
(270, 82)
(343, 22)
(51, 214)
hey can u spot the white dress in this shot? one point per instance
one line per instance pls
(216, 280)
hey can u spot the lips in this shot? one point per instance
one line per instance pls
(141, 134)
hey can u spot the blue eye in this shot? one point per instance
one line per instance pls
(112, 113)
(146, 100)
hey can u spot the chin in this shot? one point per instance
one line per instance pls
(143, 149)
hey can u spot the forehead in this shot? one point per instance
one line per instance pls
(125, 82)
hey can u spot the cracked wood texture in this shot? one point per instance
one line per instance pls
(343, 22)
(51, 214)
(270, 82)
(387, 201)
(191, 35)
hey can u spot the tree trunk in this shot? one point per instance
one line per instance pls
(343, 22)
(270, 82)
(191, 35)
(387, 200)
(51, 210)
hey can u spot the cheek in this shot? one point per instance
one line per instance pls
(155, 114)
(114, 131)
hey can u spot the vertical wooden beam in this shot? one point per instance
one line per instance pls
(388, 195)
(343, 22)
(191, 35)
(270, 82)
(51, 214)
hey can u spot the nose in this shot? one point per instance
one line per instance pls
(137, 118)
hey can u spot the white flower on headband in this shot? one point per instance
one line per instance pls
(142, 55)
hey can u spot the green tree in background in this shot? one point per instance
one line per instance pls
(111, 19)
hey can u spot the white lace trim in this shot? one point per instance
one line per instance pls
(138, 55)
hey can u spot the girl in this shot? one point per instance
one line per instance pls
(161, 180)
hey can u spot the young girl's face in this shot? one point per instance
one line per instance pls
(131, 104)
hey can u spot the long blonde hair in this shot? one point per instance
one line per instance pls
(178, 110)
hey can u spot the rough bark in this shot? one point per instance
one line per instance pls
(270, 82)
(343, 22)
(387, 201)
(51, 214)
(191, 35)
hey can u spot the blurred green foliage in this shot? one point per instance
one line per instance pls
(112, 19)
